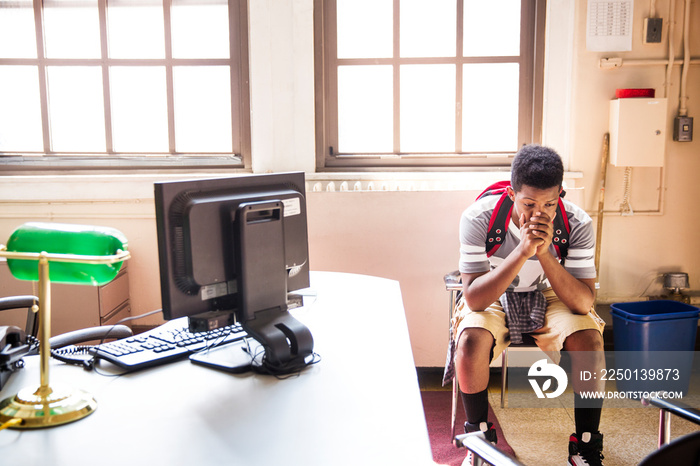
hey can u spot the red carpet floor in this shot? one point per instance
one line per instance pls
(437, 407)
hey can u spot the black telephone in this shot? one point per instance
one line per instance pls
(11, 335)
(13, 346)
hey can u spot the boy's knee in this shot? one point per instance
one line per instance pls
(584, 340)
(474, 342)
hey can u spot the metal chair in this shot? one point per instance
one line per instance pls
(683, 451)
(666, 408)
(485, 452)
(453, 284)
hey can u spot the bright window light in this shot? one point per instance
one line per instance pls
(20, 109)
(364, 28)
(72, 29)
(202, 109)
(428, 108)
(135, 29)
(77, 109)
(490, 108)
(365, 114)
(491, 28)
(428, 29)
(139, 109)
(17, 34)
(200, 30)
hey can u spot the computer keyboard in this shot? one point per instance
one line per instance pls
(163, 344)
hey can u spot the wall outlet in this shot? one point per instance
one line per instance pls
(652, 30)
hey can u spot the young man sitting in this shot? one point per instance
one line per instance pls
(522, 286)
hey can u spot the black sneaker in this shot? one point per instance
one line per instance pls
(586, 449)
(489, 433)
(486, 427)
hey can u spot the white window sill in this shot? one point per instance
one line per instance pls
(71, 187)
(415, 181)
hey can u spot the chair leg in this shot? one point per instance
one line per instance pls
(504, 376)
(664, 427)
(455, 404)
(455, 383)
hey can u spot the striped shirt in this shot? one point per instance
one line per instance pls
(474, 225)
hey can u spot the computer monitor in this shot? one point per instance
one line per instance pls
(237, 245)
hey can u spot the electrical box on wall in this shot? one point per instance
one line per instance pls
(638, 132)
(683, 129)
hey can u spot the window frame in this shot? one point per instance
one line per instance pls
(531, 84)
(237, 62)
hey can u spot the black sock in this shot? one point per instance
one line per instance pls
(476, 406)
(587, 414)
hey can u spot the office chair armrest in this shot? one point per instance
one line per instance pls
(17, 302)
(23, 301)
(111, 332)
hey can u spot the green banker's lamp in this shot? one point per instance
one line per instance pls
(81, 255)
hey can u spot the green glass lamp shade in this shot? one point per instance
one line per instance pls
(60, 238)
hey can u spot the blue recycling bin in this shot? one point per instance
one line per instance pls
(657, 325)
(654, 344)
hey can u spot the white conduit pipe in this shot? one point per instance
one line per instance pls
(683, 110)
(669, 67)
(659, 61)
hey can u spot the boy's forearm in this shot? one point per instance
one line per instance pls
(482, 290)
(576, 294)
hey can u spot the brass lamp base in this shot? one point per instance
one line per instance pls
(46, 407)
(34, 408)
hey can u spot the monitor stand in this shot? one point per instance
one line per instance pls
(262, 287)
(286, 340)
(236, 357)
(280, 331)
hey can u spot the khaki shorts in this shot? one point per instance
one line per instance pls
(559, 323)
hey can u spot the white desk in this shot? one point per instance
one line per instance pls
(359, 406)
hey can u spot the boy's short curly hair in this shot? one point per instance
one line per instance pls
(536, 166)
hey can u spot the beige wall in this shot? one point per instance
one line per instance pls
(635, 249)
(406, 236)
(411, 236)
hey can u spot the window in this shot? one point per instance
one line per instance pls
(124, 83)
(439, 83)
